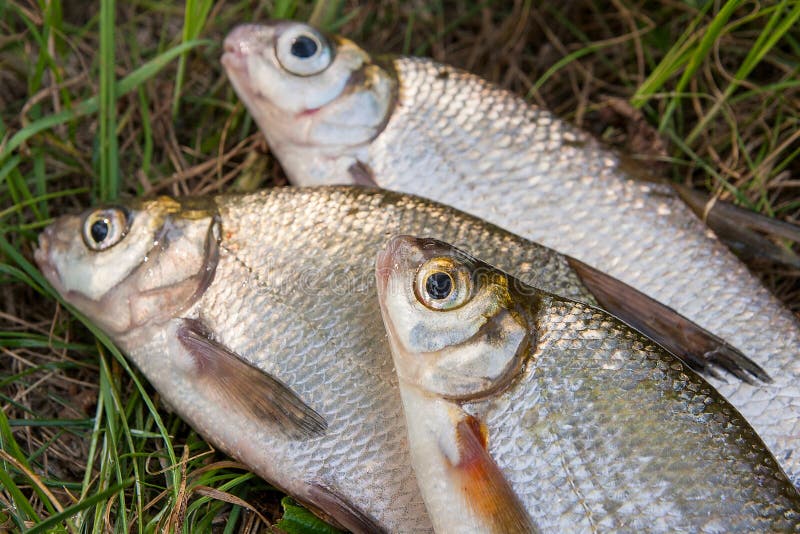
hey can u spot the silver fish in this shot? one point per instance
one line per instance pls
(527, 411)
(256, 319)
(335, 114)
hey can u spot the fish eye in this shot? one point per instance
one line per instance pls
(103, 228)
(442, 284)
(303, 51)
(439, 285)
(304, 47)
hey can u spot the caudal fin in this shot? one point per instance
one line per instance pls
(742, 230)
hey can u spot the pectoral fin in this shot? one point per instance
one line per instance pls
(735, 226)
(700, 349)
(362, 174)
(483, 485)
(243, 388)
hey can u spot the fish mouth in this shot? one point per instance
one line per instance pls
(41, 255)
(233, 62)
(231, 47)
(245, 40)
(388, 261)
(239, 44)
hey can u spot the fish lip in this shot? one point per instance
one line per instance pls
(233, 59)
(244, 39)
(237, 47)
(239, 44)
(230, 47)
(41, 255)
(388, 261)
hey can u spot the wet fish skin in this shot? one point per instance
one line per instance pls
(284, 280)
(362, 90)
(453, 137)
(587, 420)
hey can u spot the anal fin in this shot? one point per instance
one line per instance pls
(483, 485)
(246, 389)
(700, 349)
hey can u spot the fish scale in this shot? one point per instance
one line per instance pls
(438, 132)
(590, 425)
(556, 185)
(543, 474)
(338, 339)
(293, 294)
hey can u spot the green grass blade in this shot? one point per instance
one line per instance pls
(711, 34)
(114, 418)
(195, 16)
(325, 13)
(9, 444)
(675, 58)
(76, 508)
(23, 508)
(560, 64)
(16, 208)
(91, 105)
(766, 40)
(298, 520)
(284, 9)
(108, 185)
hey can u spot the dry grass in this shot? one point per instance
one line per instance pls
(54, 386)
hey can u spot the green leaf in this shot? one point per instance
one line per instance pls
(298, 520)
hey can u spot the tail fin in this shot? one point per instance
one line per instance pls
(739, 228)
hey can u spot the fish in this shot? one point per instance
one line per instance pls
(530, 412)
(256, 319)
(336, 114)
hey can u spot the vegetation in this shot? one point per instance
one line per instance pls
(129, 98)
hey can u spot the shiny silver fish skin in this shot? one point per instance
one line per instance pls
(590, 422)
(293, 293)
(456, 138)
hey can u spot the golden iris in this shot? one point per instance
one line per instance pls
(442, 284)
(103, 228)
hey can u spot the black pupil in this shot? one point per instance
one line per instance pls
(99, 230)
(439, 285)
(304, 47)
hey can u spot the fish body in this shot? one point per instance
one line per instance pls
(255, 318)
(527, 411)
(417, 126)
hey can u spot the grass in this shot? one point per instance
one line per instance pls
(129, 98)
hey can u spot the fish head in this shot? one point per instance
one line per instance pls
(457, 327)
(307, 91)
(130, 266)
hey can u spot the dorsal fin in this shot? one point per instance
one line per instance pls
(697, 347)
